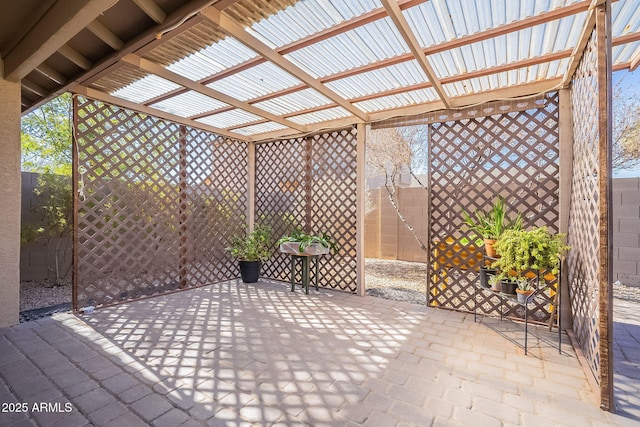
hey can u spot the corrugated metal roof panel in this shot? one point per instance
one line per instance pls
(260, 128)
(145, 89)
(532, 42)
(375, 81)
(625, 53)
(263, 79)
(188, 104)
(437, 21)
(625, 18)
(405, 99)
(507, 79)
(320, 116)
(308, 17)
(363, 45)
(212, 59)
(229, 119)
(296, 101)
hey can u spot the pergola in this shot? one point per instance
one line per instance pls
(195, 118)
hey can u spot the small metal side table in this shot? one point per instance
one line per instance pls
(506, 299)
(306, 261)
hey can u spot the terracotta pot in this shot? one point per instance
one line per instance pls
(489, 249)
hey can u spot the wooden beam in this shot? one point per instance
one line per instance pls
(74, 56)
(156, 69)
(519, 91)
(110, 99)
(635, 61)
(409, 37)
(140, 42)
(152, 10)
(578, 50)
(51, 74)
(63, 20)
(314, 128)
(236, 31)
(33, 87)
(105, 34)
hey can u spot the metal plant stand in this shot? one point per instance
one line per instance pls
(306, 261)
(509, 299)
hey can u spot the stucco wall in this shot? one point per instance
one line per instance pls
(9, 201)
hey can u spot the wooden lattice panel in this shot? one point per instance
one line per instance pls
(472, 161)
(310, 183)
(217, 186)
(584, 218)
(139, 227)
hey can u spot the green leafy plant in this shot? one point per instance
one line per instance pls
(252, 246)
(524, 285)
(524, 250)
(492, 223)
(305, 240)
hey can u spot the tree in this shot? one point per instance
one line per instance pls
(46, 137)
(392, 153)
(626, 129)
(46, 149)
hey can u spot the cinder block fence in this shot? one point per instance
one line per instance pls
(388, 238)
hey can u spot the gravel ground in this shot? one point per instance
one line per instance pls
(41, 293)
(390, 279)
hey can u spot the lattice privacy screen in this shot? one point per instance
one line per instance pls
(310, 183)
(158, 204)
(472, 161)
(584, 223)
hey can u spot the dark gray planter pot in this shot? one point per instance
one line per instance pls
(485, 272)
(508, 287)
(250, 271)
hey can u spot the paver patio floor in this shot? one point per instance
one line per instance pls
(237, 354)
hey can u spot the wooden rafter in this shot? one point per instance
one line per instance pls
(61, 22)
(160, 71)
(236, 31)
(74, 56)
(110, 99)
(51, 74)
(576, 55)
(410, 38)
(152, 10)
(105, 34)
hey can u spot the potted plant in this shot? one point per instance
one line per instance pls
(486, 272)
(508, 285)
(491, 224)
(494, 282)
(523, 251)
(251, 249)
(299, 242)
(524, 290)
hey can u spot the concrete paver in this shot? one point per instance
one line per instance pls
(238, 354)
(626, 356)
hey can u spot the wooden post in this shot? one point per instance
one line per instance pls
(360, 202)
(182, 204)
(251, 173)
(76, 205)
(565, 130)
(603, 34)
